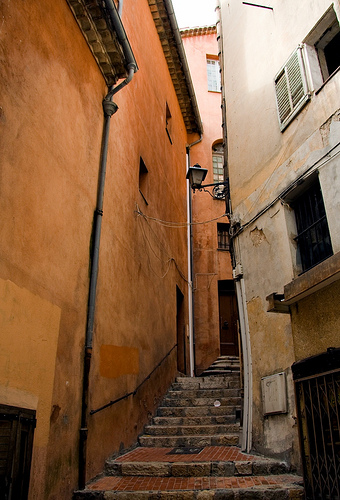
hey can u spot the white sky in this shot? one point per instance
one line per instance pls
(190, 13)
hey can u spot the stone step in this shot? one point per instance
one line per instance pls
(282, 487)
(220, 371)
(189, 411)
(259, 467)
(212, 420)
(231, 380)
(204, 393)
(209, 401)
(189, 441)
(189, 430)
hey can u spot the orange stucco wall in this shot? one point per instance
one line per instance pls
(210, 265)
(51, 123)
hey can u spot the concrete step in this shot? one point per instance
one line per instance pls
(212, 420)
(189, 411)
(188, 441)
(189, 430)
(282, 487)
(208, 401)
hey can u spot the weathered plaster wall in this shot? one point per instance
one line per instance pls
(50, 139)
(263, 162)
(316, 322)
(210, 265)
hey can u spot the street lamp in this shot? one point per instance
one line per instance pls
(196, 176)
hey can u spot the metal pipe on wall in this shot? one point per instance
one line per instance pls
(109, 109)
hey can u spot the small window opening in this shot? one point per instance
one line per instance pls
(143, 180)
(214, 74)
(323, 48)
(328, 49)
(223, 239)
(168, 121)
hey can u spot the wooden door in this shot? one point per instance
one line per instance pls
(228, 324)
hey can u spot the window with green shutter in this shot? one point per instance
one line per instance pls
(291, 88)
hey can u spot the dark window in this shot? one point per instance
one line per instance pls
(313, 238)
(143, 178)
(16, 442)
(328, 49)
(223, 236)
(332, 54)
(168, 121)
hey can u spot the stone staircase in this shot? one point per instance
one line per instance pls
(190, 450)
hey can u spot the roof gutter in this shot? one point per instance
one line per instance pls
(181, 52)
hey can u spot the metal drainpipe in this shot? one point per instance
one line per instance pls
(109, 109)
(239, 281)
(191, 306)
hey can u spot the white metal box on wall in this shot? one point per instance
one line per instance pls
(274, 394)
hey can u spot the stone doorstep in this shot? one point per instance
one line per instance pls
(196, 469)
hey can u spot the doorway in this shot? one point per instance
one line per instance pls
(228, 318)
(16, 443)
(180, 325)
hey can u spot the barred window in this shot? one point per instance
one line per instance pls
(223, 242)
(313, 238)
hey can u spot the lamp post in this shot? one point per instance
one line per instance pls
(196, 176)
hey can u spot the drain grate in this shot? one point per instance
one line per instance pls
(185, 451)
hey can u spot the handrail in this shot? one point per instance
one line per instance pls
(133, 393)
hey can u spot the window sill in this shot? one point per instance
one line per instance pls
(326, 81)
(311, 281)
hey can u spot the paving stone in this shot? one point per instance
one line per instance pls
(250, 495)
(226, 469)
(224, 495)
(296, 494)
(190, 469)
(113, 468)
(205, 495)
(145, 469)
(243, 468)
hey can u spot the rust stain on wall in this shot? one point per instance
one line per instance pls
(118, 360)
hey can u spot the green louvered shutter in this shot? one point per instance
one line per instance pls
(291, 88)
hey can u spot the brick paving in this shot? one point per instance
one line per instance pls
(208, 454)
(136, 483)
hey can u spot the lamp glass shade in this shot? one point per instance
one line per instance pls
(196, 176)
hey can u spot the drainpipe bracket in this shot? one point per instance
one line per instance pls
(109, 107)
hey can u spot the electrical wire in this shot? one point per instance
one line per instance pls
(169, 261)
(176, 224)
(281, 196)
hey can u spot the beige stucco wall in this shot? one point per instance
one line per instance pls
(263, 162)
